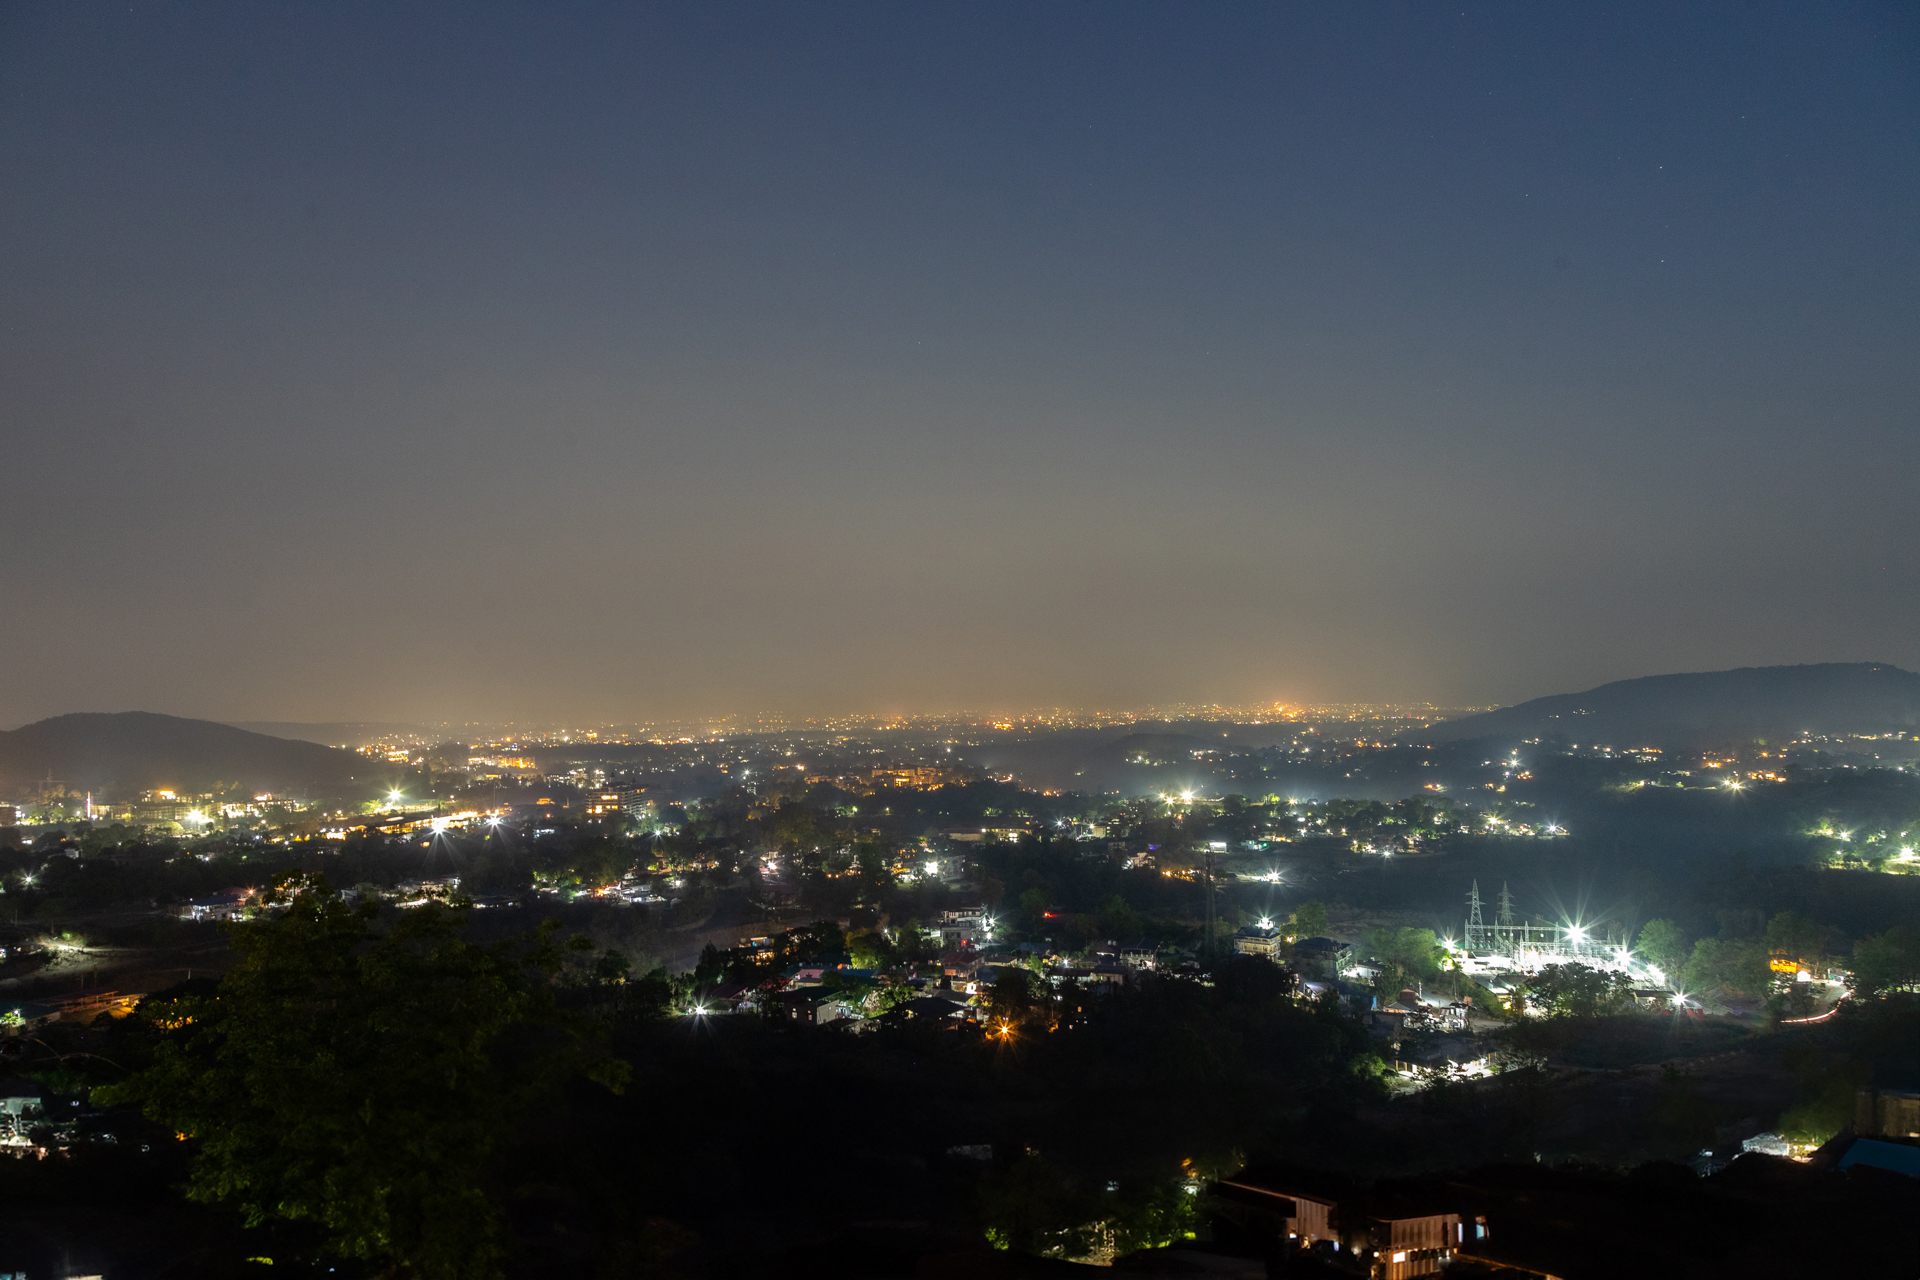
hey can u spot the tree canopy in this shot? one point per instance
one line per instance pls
(364, 1083)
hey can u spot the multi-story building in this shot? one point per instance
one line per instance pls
(1257, 940)
(1381, 1237)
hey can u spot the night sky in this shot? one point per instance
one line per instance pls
(601, 363)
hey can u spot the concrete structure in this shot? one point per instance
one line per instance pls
(1323, 956)
(1886, 1113)
(811, 1007)
(22, 1106)
(1257, 940)
(1383, 1239)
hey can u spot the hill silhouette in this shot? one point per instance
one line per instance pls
(1710, 708)
(344, 733)
(113, 754)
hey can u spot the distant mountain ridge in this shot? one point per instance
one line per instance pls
(118, 753)
(1710, 708)
(340, 733)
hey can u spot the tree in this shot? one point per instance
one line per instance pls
(1037, 1207)
(1792, 936)
(1016, 995)
(992, 891)
(872, 951)
(610, 967)
(1887, 961)
(1310, 920)
(872, 861)
(1736, 966)
(1407, 953)
(1117, 919)
(1664, 944)
(712, 965)
(364, 1084)
(1578, 991)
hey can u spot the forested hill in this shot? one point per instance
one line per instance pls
(1712, 707)
(129, 751)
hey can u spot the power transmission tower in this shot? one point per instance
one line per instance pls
(1476, 930)
(1209, 865)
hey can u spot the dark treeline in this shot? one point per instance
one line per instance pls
(603, 1133)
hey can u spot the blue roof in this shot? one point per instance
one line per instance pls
(1895, 1156)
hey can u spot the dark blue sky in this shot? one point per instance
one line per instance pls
(599, 362)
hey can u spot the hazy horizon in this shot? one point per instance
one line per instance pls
(620, 363)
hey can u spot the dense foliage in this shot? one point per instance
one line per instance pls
(361, 1082)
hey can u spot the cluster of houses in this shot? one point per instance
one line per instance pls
(953, 988)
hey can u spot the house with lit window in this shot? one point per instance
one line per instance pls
(1384, 1236)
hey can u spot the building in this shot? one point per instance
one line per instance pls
(607, 801)
(1381, 1237)
(1886, 1113)
(948, 867)
(22, 1106)
(991, 831)
(230, 905)
(811, 1006)
(964, 926)
(163, 810)
(962, 967)
(1323, 956)
(1257, 940)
